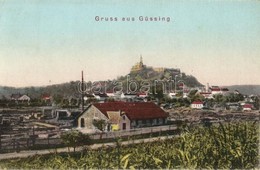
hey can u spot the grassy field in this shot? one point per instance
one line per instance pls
(228, 145)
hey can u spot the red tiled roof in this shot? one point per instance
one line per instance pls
(215, 89)
(197, 102)
(205, 93)
(248, 106)
(109, 91)
(46, 96)
(186, 90)
(141, 93)
(133, 110)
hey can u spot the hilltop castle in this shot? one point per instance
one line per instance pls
(140, 66)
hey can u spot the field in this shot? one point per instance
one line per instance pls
(228, 145)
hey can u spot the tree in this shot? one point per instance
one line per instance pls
(219, 98)
(100, 124)
(194, 96)
(57, 99)
(256, 102)
(75, 138)
(157, 92)
(234, 97)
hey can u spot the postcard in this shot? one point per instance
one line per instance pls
(129, 84)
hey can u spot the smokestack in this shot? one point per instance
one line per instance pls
(82, 89)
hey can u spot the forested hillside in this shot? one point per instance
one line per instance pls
(246, 89)
(71, 88)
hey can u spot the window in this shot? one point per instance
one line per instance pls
(82, 122)
(133, 123)
(160, 121)
(124, 126)
(148, 122)
(154, 121)
(123, 117)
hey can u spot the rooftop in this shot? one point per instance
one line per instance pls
(133, 110)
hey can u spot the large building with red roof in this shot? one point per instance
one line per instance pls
(123, 115)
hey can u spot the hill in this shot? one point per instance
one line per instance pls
(138, 74)
(246, 89)
(64, 90)
(70, 88)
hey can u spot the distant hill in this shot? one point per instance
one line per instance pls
(246, 89)
(148, 74)
(70, 88)
(64, 89)
(138, 73)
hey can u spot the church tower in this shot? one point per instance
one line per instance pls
(141, 61)
(138, 66)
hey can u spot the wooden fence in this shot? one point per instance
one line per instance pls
(16, 144)
(134, 132)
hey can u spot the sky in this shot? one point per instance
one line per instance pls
(43, 42)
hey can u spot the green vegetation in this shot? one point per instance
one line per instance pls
(75, 138)
(229, 145)
(100, 124)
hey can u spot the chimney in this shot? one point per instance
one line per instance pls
(82, 89)
(207, 89)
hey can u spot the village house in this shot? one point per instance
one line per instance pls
(172, 95)
(20, 98)
(247, 107)
(101, 96)
(233, 106)
(197, 105)
(122, 115)
(46, 97)
(207, 95)
(185, 93)
(15, 96)
(215, 90)
(110, 94)
(88, 96)
(24, 98)
(218, 90)
(142, 94)
(63, 117)
(128, 95)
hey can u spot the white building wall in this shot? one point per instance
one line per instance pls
(197, 106)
